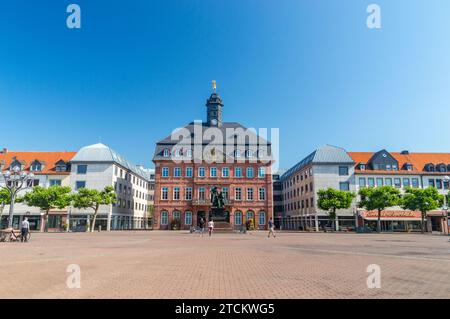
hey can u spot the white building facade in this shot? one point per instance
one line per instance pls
(98, 166)
(333, 167)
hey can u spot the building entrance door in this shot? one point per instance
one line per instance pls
(436, 223)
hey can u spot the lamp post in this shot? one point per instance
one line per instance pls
(15, 181)
(445, 217)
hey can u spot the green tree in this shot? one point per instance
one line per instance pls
(422, 200)
(150, 212)
(48, 198)
(5, 199)
(379, 198)
(91, 198)
(332, 199)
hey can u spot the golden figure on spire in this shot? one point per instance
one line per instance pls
(214, 85)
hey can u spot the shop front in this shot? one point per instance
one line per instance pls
(391, 221)
(438, 221)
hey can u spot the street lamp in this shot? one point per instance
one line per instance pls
(15, 181)
(446, 181)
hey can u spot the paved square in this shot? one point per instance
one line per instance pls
(162, 264)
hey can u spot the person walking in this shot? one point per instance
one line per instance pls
(271, 228)
(210, 227)
(201, 224)
(24, 229)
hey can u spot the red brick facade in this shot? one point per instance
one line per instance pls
(260, 209)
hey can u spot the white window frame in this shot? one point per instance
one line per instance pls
(162, 193)
(164, 220)
(186, 214)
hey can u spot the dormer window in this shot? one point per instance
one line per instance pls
(166, 152)
(441, 168)
(178, 153)
(16, 165)
(362, 166)
(430, 167)
(36, 167)
(409, 166)
(61, 166)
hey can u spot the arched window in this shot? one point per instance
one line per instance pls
(249, 153)
(166, 152)
(262, 218)
(237, 153)
(176, 215)
(238, 218)
(188, 218)
(164, 218)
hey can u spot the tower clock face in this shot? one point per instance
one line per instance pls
(214, 122)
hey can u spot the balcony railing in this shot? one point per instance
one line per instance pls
(207, 202)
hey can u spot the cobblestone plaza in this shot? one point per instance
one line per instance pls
(161, 264)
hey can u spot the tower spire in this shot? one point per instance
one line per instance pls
(214, 107)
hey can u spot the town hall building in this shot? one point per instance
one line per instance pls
(213, 170)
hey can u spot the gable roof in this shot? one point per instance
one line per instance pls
(27, 158)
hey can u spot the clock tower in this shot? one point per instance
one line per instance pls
(214, 108)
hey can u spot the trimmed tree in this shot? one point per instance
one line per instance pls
(332, 199)
(5, 199)
(423, 200)
(379, 198)
(91, 198)
(47, 199)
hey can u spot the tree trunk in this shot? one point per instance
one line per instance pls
(94, 219)
(379, 222)
(46, 222)
(333, 220)
(422, 225)
(11, 212)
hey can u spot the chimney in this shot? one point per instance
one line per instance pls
(405, 153)
(4, 151)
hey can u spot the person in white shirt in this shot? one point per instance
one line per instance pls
(25, 229)
(210, 227)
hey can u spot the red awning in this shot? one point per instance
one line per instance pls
(392, 215)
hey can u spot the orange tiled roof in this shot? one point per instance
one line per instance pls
(49, 160)
(418, 160)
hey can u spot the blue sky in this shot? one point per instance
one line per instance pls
(138, 69)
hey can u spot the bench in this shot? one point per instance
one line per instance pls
(9, 234)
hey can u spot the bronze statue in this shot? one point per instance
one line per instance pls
(217, 199)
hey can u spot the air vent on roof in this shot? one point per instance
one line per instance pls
(405, 153)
